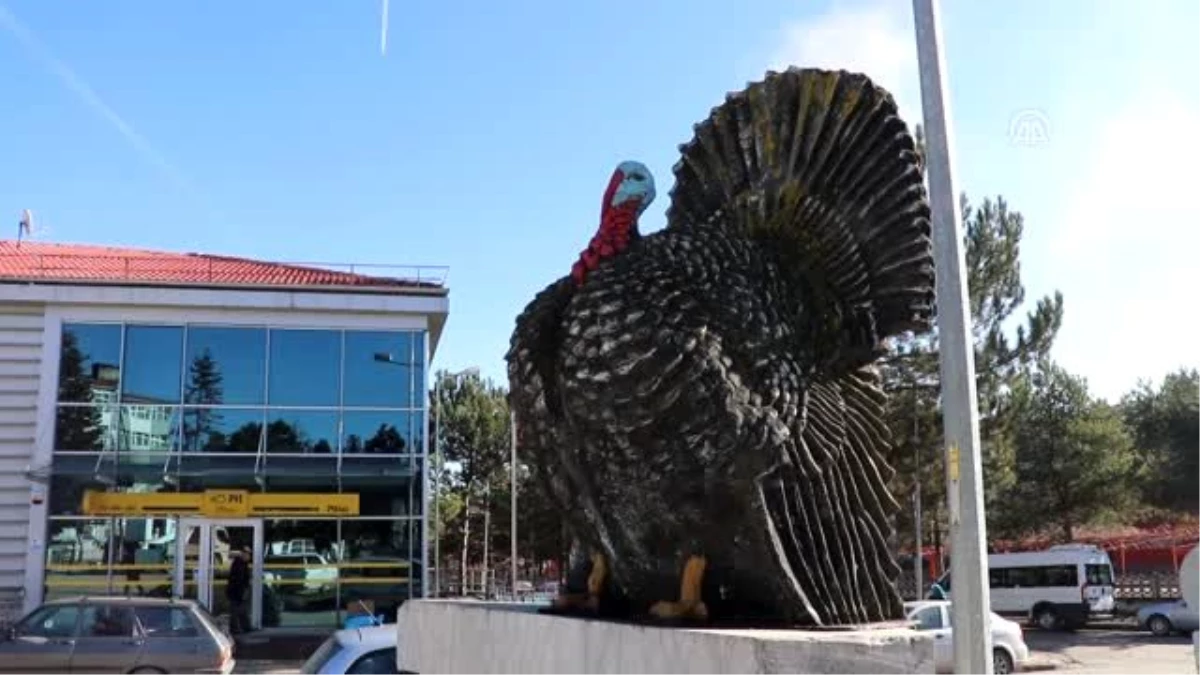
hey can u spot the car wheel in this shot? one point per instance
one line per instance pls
(1002, 663)
(149, 670)
(1046, 619)
(1159, 625)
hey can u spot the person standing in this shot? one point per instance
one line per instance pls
(235, 591)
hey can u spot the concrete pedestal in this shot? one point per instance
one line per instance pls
(462, 636)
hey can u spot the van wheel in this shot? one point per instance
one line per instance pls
(1046, 618)
(1159, 625)
(1002, 663)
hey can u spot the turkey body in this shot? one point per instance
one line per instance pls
(682, 322)
(710, 390)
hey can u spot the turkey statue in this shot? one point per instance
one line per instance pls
(702, 403)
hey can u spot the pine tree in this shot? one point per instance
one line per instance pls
(77, 427)
(204, 387)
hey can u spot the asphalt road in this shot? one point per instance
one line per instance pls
(1111, 651)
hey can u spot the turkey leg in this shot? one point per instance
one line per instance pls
(595, 583)
(689, 606)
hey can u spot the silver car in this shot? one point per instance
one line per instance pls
(116, 635)
(355, 650)
(1009, 651)
(1165, 618)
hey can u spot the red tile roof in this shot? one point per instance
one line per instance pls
(42, 261)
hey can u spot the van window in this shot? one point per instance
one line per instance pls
(1099, 575)
(1040, 576)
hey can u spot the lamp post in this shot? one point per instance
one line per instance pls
(970, 608)
(384, 357)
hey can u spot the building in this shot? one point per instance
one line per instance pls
(161, 411)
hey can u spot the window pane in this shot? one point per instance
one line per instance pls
(51, 623)
(302, 431)
(375, 563)
(310, 473)
(89, 363)
(113, 621)
(382, 490)
(1099, 575)
(378, 373)
(77, 554)
(153, 360)
(147, 428)
(218, 471)
(929, 618)
(222, 429)
(143, 549)
(166, 622)
(226, 366)
(382, 661)
(85, 428)
(304, 367)
(377, 432)
(301, 569)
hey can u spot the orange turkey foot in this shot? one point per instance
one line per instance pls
(589, 601)
(689, 606)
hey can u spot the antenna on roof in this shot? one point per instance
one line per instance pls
(24, 226)
(383, 30)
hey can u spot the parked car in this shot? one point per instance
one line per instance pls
(355, 650)
(117, 635)
(1009, 651)
(1165, 618)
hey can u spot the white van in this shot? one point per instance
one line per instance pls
(1061, 587)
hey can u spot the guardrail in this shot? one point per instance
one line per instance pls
(199, 268)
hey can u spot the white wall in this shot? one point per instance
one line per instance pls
(21, 331)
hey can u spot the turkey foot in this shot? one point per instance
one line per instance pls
(689, 606)
(595, 583)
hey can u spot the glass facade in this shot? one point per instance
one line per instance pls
(186, 408)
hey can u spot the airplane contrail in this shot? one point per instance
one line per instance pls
(92, 100)
(383, 31)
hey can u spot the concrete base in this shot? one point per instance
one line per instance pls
(463, 636)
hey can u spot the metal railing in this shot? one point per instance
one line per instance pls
(201, 268)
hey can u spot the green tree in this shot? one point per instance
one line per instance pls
(474, 429)
(992, 239)
(1165, 423)
(77, 427)
(204, 388)
(1074, 457)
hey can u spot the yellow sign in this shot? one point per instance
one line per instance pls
(127, 504)
(952, 462)
(218, 504)
(275, 504)
(225, 503)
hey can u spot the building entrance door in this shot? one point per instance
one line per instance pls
(204, 550)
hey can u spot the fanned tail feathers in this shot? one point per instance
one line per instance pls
(818, 168)
(819, 165)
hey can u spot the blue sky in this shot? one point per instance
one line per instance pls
(484, 138)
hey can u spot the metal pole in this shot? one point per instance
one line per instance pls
(512, 423)
(971, 606)
(437, 488)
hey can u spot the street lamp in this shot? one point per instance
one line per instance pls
(473, 371)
